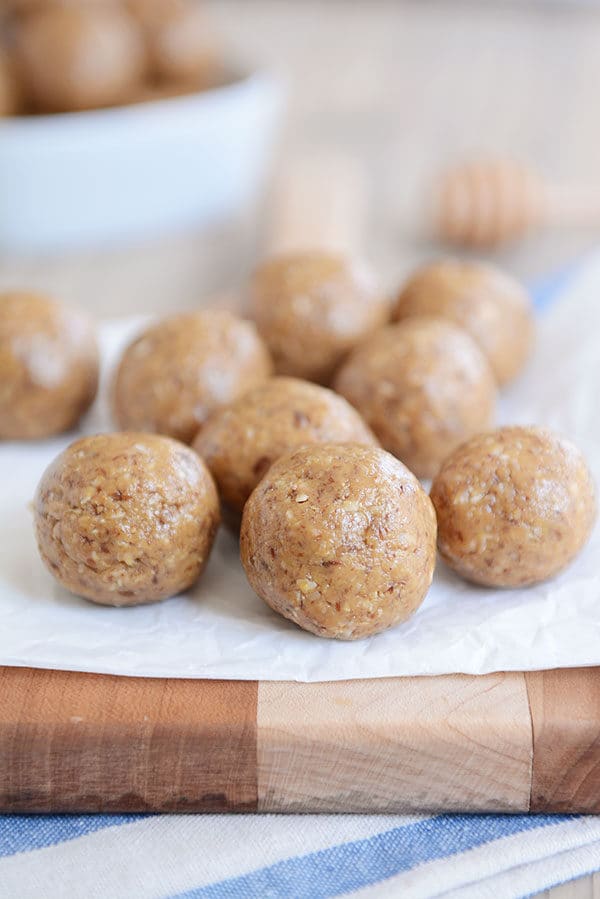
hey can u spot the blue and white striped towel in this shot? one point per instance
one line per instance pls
(226, 857)
(297, 856)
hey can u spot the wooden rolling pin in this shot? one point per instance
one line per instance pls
(491, 201)
(319, 202)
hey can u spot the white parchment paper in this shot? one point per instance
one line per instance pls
(222, 630)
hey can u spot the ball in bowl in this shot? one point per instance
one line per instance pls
(179, 43)
(339, 539)
(492, 306)
(514, 506)
(312, 308)
(240, 442)
(48, 366)
(423, 386)
(76, 57)
(124, 519)
(175, 374)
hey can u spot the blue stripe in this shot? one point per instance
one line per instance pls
(548, 289)
(23, 833)
(350, 866)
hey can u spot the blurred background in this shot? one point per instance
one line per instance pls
(406, 87)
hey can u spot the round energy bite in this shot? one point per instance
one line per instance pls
(179, 43)
(312, 309)
(240, 442)
(9, 91)
(340, 539)
(184, 367)
(423, 386)
(493, 307)
(74, 57)
(48, 366)
(514, 506)
(125, 519)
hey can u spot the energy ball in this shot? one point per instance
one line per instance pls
(74, 57)
(493, 307)
(423, 385)
(312, 309)
(514, 507)
(240, 442)
(125, 519)
(9, 91)
(179, 43)
(340, 539)
(48, 366)
(184, 367)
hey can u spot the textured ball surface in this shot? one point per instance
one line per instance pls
(340, 539)
(124, 519)
(514, 506)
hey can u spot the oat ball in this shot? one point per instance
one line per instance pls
(48, 366)
(340, 539)
(423, 385)
(493, 307)
(74, 57)
(514, 506)
(179, 42)
(184, 367)
(312, 309)
(9, 90)
(240, 442)
(125, 519)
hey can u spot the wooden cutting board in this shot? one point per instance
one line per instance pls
(515, 742)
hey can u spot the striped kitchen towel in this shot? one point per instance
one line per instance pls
(226, 857)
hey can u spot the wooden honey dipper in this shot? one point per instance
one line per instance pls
(489, 202)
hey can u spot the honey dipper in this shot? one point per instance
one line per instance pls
(484, 203)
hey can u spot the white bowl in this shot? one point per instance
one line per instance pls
(111, 175)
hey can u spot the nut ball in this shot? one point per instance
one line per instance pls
(340, 539)
(184, 367)
(514, 506)
(75, 57)
(240, 442)
(312, 309)
(423, 386)
(9, 91)
(125, 519)
(489, 304)
(48, 366)
(179, 42)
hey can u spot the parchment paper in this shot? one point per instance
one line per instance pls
(222, 630)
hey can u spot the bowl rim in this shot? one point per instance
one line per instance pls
(240, 79)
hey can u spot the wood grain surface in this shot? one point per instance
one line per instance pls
(395, 745)
(80, 742)
(72, 742)
(565, 713)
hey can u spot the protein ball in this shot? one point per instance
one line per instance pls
(514, 506)
(179, 42)
(125, 519)
(9, 91)
(340, 539)
(74, 57)
(240, 442)
(493, 307)
(184, 367)
(423, 386)
(48, 366)
(312, 309)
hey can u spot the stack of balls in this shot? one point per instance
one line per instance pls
(70, 55)
(306, 429)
